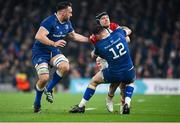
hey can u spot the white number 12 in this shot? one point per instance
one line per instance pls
(119, 46)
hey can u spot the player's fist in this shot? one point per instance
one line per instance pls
(93, 38)
(60, 43)
(92, 54)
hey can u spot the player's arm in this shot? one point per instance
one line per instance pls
(94, 54)
(114, 26)
(127, 39)
(127, 30)
(41, 36)
(77, 37)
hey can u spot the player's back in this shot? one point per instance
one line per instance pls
(115, 50)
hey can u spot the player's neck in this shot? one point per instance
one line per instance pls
(105, 34)
(59, 18)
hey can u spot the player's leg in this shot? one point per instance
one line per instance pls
(62, 65)
(128, 94)
(127, 77)
(43, 78)
(130, 77)
(102, 64)
(109, 98)
(97, 79)
(122, 87)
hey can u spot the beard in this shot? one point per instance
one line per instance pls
(66, 19)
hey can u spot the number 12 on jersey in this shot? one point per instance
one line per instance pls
(121, 52)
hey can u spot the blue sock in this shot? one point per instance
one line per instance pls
(88, 93)
(37, 101)
(129, 91)
(56, 78)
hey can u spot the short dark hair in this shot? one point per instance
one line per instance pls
(63, 5)
(97, 29)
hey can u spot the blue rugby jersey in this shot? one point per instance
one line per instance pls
(57, 31)
(115, 50)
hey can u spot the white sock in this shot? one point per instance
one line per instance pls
(128, 101)
(82, 103)
(110, 98)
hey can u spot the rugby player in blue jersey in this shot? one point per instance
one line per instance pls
(103, 19)
(114, 49)
(49, 37)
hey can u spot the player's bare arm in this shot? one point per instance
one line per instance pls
(41, 35)
(93, 55)
(127, 39)
(78, 37)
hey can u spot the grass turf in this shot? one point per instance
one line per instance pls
(147, 108)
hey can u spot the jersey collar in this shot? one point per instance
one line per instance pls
(58, 19)
(107, 35)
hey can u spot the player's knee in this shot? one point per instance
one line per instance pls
(43, 79)
(63, 67)
(94, 82)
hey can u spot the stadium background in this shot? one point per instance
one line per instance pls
(154, 48)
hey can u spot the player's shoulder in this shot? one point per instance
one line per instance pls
(50, 18)
(118, 32)
(68, 22)
(113, 26)
(93, 39)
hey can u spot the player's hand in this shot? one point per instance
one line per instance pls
(60, 43)
(93, 55)
(127, 39)
(92, 38)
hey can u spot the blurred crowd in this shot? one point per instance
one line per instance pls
(155, 39)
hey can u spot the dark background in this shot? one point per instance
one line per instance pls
(154, 43)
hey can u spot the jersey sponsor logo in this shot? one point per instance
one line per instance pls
(66, 27)
(112, 43)
(39, 60)
(57, 27)
(59, 36)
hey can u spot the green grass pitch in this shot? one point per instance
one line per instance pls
(147, 108)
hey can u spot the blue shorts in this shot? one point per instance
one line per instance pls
(117, 77)
(41, 57)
